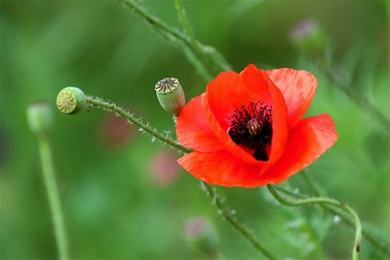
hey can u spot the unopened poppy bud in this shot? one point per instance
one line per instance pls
(202, 235)
(71, 100)
(308, 36)
(39, 117)
(170, 94)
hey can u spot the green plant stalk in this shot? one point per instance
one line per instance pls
(185, 23)
(118, 110)
(95, 102)
(309, 183)
(359, 100)
(171, 35)
(234, 222)
(209, 55)
(326, 201)
(53, 196)
(206, 60)
(345, 218)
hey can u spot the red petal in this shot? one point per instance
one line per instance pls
(252, 76)
(309, 140)
(298, 88)
(230, 91)
(227, 92)
(220, 168)
(193, 129)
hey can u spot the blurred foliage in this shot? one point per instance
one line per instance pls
(113, 206)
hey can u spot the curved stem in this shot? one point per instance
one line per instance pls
(53, 197)
(346, 219)
(326, 201)
(143, 127)
(95, 102)
(245, 232)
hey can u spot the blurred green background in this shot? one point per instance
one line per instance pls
(123, 196)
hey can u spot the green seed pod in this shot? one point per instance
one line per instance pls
(170, 94)
(71, 100)
(39, 117)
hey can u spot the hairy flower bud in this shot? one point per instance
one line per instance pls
(170, 94)
(39, 117)
(200, 232)
(308, 36)
(71, 100)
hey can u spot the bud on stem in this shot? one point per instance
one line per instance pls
(200, 232)
(309, 37)
(39, 117)
(170, 94)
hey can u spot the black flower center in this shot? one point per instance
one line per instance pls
(251, 127)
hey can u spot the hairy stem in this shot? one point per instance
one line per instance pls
(206, 59)
(172, 35)
(345, 218)
(95, 102)
(143, 127)
(182, 15)
(53, 197)
(245, 232)
(325, 201)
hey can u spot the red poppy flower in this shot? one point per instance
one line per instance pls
(247, 129)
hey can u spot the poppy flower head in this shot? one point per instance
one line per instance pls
(247, 129)
(251, 127)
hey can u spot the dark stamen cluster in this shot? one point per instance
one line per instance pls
(251, 127)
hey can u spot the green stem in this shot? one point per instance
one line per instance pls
(345, 218)
(209, 56)
(154, 21)
(245, 232)
(207, 60)
(360, 100)
(325, 201)
(310, 183)
(53, 197)
(143, 127)
(95, 102)
(195, 46)
(172, 35)
(181, 13)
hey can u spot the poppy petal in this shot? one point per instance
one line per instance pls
(252, 76)
(220, 168)
(193, 129)
(224, 94)
(230, 91)
(298, 88)
(309, 140)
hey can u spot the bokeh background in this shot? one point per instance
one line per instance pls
(123, 195)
